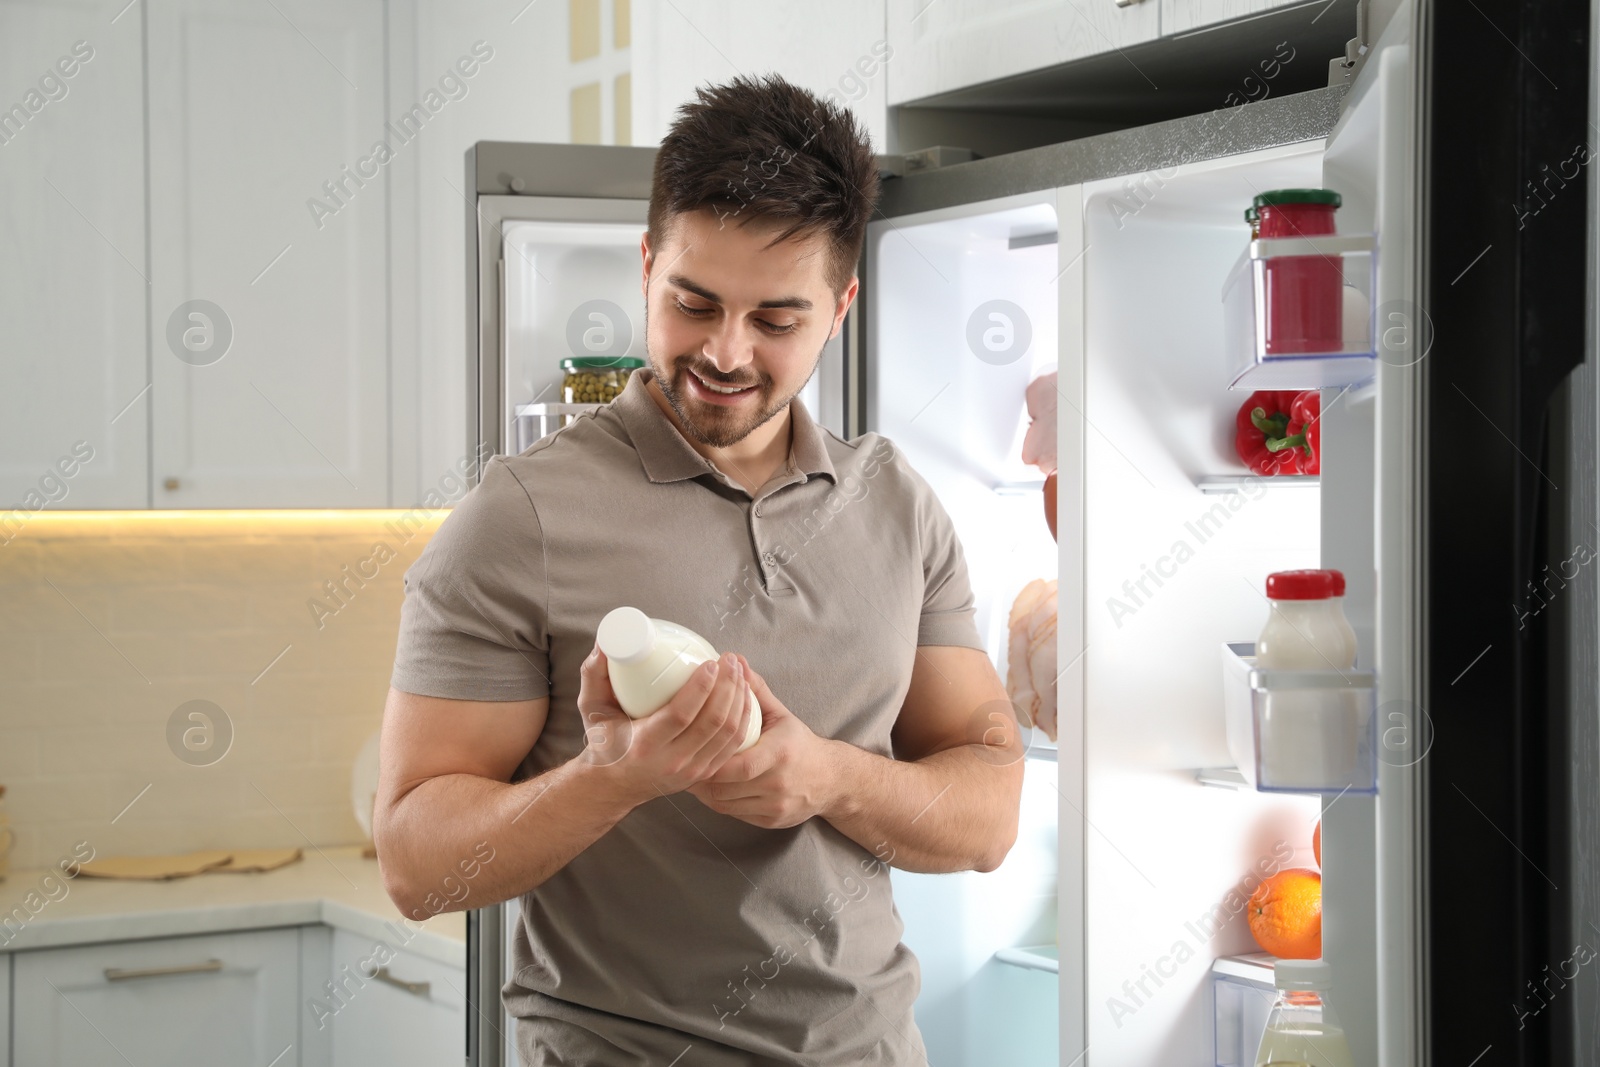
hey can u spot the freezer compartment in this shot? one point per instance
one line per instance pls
(1300, 731)
(1297, 313)
(1242, 992)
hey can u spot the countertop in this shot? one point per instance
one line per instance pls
(335, 886)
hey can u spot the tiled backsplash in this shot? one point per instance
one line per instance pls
(286, 621)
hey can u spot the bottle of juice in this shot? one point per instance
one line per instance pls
(648, 661)
(1302, 1028)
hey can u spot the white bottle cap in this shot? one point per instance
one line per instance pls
(626, 635)
(1302, 974)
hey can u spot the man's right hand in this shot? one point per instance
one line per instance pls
(682, 743)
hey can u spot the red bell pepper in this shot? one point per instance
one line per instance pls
(1276, 432)
(1305, 435)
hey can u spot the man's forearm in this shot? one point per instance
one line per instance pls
(955, 810)
(434, 839)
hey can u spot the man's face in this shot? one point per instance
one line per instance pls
(720, 308)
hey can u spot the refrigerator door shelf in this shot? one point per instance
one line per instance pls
(533, 421)
(1242, 990)
(1300, 731)
(1297, 312)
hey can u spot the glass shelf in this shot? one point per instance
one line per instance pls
(1232, 483)
(1222, 778)
(1020, 487)
(534, 421)
(1032, 958)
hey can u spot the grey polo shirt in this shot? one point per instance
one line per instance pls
(681, 928)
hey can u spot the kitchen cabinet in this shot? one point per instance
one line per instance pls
(1181, 16)
(73, 410)
(268, 253)
(217, 999)
(393, 1006)
(938, 47)
(835, 48)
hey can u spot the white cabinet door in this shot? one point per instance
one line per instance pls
(940, 45)
(1181, 16)
(73, 406)
(388, 1006)
(267, 246)
(215, 1001)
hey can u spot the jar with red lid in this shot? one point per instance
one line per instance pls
(1303, 295)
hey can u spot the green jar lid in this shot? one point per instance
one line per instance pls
(1274, 197)
(1251, 215)
(601, 363)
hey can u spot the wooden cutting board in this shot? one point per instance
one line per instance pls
(159, 868)
(156, 868)
(258, 859)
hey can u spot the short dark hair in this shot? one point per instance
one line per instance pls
(764, 148)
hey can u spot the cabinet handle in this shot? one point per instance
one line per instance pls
(115, 974)
(1128, 3)
(170, 484)
(418, 988)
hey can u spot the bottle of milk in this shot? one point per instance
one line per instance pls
(649, 660)
(1302, 1028)
(1307, 737)
(1306, 629)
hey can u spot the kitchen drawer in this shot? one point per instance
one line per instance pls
(218, 999)
(412, 1011)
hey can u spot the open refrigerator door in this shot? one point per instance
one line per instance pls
(1156, 844)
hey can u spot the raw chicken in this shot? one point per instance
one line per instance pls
(1039, 442)
(1031, 657)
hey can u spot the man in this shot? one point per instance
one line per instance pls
(681, 904)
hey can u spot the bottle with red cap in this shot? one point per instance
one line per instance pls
(1306, 629)
(1306, 736)
(1344, 621)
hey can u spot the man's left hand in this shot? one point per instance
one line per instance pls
(782, 780)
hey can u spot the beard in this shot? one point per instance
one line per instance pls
(715, 425)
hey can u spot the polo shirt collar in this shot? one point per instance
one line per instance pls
(667, 457)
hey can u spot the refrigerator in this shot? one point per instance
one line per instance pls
(1458, 858)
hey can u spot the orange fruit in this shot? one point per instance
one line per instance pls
(1316, 842)
(1285, 914)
